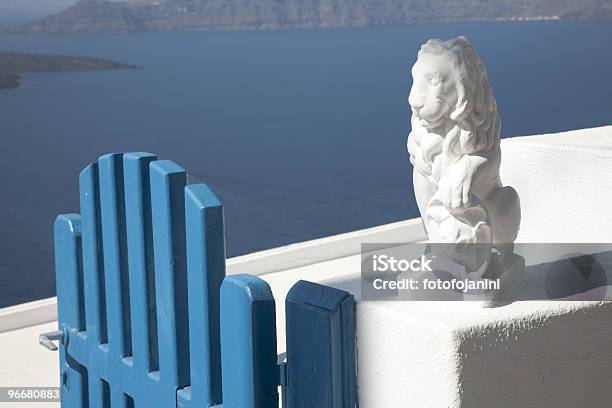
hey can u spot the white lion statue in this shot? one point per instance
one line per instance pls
(454, 147)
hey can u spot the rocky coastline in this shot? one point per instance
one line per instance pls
(103, 16)
(13, 64)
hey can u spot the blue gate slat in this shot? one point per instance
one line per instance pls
(348, 354)
(112, 206)
(71, 314)
(140, 259)
(139, 232)
(205, 273)
(168, 210)
(93, 274)
(248, 343)
(320, 347)
(93, 266)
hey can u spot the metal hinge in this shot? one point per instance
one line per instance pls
(282, 377)
(282, 369)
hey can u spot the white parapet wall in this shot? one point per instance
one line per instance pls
(564, 181)
(533, 354)
(456, 355)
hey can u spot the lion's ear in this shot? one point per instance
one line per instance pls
(461, 108)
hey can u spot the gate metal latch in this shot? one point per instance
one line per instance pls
(282, 369)
(47, 339)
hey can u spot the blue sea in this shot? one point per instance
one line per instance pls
(300, 133)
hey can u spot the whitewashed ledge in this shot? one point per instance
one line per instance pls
(437, 354)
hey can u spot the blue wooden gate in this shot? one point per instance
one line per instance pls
(147, 317)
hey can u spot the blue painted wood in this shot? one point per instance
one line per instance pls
(141, 268)
(139, 232)
(120, 381)
(320, 347)
(71, 313)
(112, 207)
(205, 273)
(93, 274)
(93, 262)
(248, 343)
(168, 213)
(152, 278)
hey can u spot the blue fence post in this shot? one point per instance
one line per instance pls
(205, 273)
(248, 343)
(168, 212)
(321, 371)
(71, 313)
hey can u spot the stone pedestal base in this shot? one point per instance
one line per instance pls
(458, 355)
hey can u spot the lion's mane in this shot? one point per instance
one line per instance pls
(477, 125)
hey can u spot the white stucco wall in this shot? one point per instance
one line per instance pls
(532, 354)
(564, 181)
(456, 355)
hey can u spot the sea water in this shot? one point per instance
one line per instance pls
(300, 133)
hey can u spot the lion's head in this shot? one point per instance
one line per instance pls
(451, 94)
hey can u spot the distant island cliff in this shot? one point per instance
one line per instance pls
(215, 15)
(12, 64)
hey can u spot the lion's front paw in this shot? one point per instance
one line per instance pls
(454, 189)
